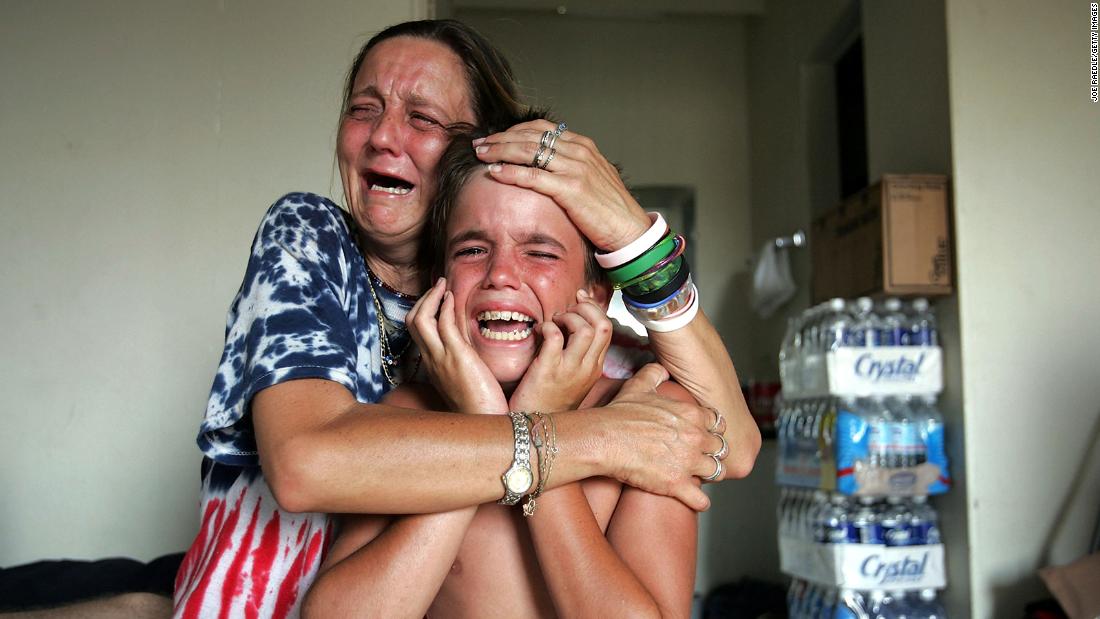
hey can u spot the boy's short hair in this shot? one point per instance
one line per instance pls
(456, 168)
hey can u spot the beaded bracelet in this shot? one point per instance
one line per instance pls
(637, 247)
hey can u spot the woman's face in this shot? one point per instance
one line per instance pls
(393, 133)
(513, 259)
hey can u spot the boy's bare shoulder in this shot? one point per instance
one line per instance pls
(606, 389)
(602, 392)
(418, 396)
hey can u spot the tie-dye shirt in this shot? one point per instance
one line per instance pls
(304, 310)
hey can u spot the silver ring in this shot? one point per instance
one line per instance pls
(538, 155)
(724, 451)
(547, 138)
(717, 420)
(560, 130)
(717, 470)
(553, 140)
(549, 158)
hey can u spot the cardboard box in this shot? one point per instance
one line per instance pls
(892, 238)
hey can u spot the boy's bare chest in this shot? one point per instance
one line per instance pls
(497, 571)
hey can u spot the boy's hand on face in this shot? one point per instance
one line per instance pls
(457, 372)
(569, 361)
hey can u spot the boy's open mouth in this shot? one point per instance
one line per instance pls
(507, 326)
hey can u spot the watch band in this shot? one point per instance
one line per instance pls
(521, 462)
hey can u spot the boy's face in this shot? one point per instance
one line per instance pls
(513, 259)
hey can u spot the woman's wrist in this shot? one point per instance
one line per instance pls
(642, 242)
(585, 446)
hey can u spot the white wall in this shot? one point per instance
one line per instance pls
(139, 145)
(1026, 148)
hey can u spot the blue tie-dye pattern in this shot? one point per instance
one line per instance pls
(304, 310)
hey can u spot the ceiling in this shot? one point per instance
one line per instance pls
(619, 8)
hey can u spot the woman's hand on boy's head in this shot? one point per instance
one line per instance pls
(460, 376)
(579, 178)
(569, 361)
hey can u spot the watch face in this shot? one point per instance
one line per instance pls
(519, 480)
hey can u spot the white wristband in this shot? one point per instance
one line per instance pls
(677, 321)
(637, 247)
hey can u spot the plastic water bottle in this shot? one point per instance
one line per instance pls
(894, 329)
(818, 516)
(836, 325)
(850, 604)
(794, 596)
(828, 604)
(814, 601)
(897, 523)
(786, 359)
(865, 327)
(925, 522)
(922, 325)
(926, 605)
(787, 524)
(930, 429)
(906, 444)
(880, 453)
(894, 606)
(811, 331)
(875, 601)
(836, 522)
(866, 522)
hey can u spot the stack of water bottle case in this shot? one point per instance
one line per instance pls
(860, 450)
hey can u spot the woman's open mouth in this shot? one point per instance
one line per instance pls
(388, 184)
(505, 326)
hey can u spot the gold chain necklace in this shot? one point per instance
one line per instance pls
(388, 358)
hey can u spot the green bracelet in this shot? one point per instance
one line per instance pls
(648, 282)
(642, 263)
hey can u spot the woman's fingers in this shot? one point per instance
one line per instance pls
(524, 129)
(579, 178)
(645, 380)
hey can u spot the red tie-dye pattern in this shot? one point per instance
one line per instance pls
(185, 577)
(288, 593)
(232, 587)
(263, 557)
(269, 558)
(221, 549)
